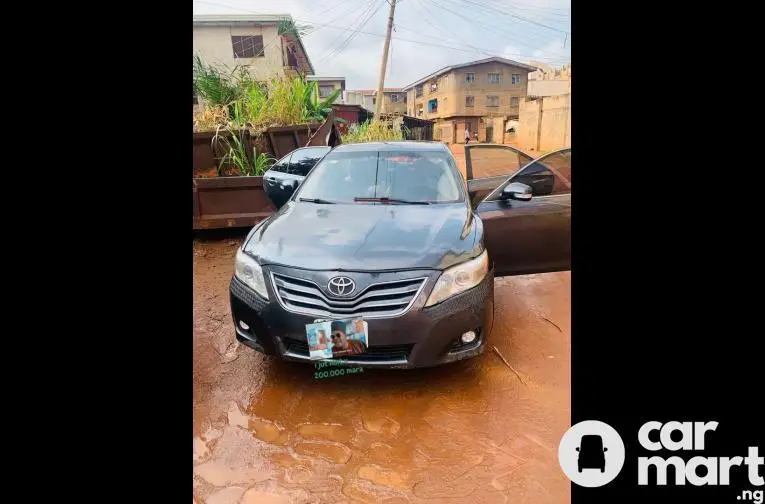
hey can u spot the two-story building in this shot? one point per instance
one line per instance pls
(394, 99)
(460, 97)
(252, 41)
(327, 85)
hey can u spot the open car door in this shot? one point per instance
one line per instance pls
(488, 165)
(527, 216)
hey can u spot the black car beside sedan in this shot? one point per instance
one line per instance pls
(388, 234)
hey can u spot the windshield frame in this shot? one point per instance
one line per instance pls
(450, 162)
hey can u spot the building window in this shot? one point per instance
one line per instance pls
(432, 106)
(470, 77)
(494, 78)
(492, 101)
(469, 101)
(248, 46)
(513, 101)
(325, 91)
(434, 86)
(418, 91)
(374, 100)
(516, 79)
(394, 98)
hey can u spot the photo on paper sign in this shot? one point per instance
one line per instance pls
(337, 338)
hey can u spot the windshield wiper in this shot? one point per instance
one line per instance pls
(390, 200)
(317, 201)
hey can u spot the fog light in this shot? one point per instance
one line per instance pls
(468, 337)
(243, 325)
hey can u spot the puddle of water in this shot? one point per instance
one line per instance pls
(385, 425)
(329, 432)
(385, 477)
(267, 431)
(331, 452)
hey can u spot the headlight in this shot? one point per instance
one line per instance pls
(459, 278)
(250, 272)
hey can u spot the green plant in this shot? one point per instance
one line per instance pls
(262, 163)
(374, 131)
(237, 159)
(213, 85)
(280, 102)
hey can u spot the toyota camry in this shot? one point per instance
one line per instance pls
(385, 249)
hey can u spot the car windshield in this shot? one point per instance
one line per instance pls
(382, 176)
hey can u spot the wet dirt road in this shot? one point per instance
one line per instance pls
(267, 432)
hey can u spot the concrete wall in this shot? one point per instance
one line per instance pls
(545, 123)
(333, 83)
(389, 107)
(357, 98)
(549, 87)
(453, 90)
(213, 43)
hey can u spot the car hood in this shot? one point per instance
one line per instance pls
(364, 237)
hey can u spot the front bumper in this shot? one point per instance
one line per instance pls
(420, 337)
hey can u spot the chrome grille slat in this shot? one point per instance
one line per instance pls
(377, 300)
(292, 298)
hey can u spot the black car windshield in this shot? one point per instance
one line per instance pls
(393, 177)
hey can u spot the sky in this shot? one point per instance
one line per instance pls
(520, 30)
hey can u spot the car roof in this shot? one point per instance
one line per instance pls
(391, 146)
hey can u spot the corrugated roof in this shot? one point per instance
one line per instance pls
(493, 59)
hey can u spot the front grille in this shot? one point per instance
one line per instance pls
(373, 353)
(378, 300)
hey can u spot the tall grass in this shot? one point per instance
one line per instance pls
(238, 160)
(281, 102)
(216, 87)
(374, 131)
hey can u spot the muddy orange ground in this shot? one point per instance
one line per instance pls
(267, 432)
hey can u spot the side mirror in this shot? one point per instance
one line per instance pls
(290, 186)
(605, 449)
(517, 191)
(577, 448)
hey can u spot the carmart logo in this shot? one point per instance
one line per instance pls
(591, 454)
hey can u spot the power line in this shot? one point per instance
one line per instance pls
(500, 11)
(425, 17)
(332, 50)
(348, 28)
(496, 30)
(369, 15)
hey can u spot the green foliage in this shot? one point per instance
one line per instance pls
(238, 160)
(374, 131)
(214, 86)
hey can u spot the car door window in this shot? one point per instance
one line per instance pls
(492, 161)
(548, 175)
(488, 166)
(304, 159)
(281, 165)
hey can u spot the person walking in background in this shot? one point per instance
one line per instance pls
(467, 135)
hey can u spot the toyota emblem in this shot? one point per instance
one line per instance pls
(341, 286)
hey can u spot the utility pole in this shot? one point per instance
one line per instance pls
(381, 82)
